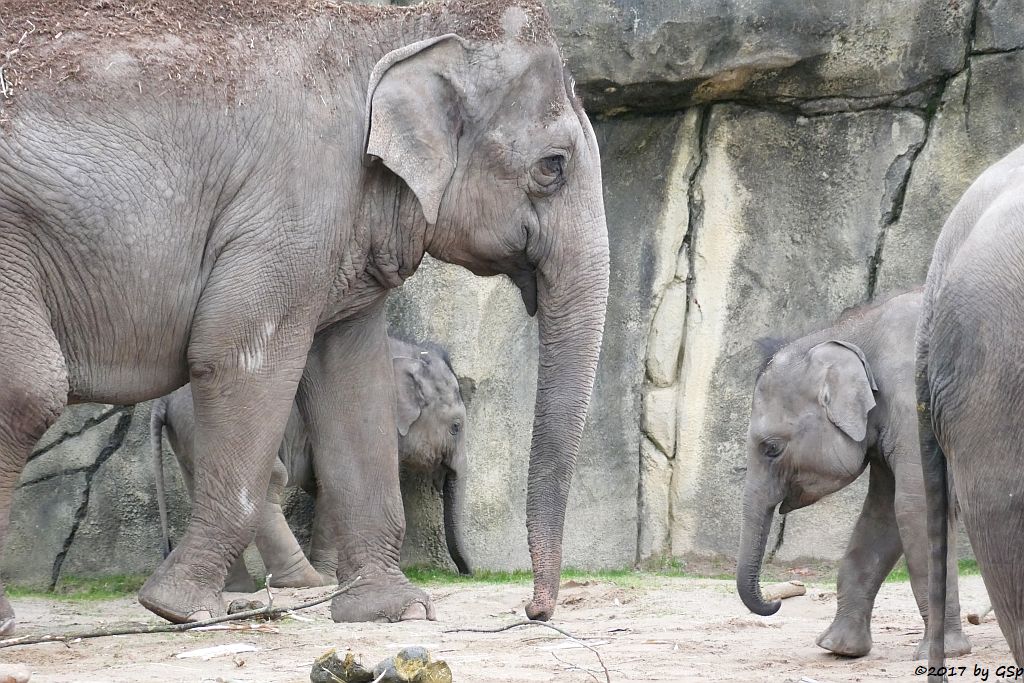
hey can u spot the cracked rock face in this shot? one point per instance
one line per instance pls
(84, 504)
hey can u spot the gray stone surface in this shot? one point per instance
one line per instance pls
(649, 55)
(791, 214)
(977, 123)
(999, 25)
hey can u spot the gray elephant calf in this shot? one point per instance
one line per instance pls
(825, 407)
(431, 418)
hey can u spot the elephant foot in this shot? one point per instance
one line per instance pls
(846, 638)
(7, 621)
(172, 593)
(957, 645)
(239, 580)
(541, 608)
(382, 596)
(300, 576)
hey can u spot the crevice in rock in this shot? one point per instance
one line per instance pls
(996, 51)
(86, 426)
(892, 214)
(114, 443)
(695, 218)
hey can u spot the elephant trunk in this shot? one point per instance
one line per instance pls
(572, 294)
(453, 496)
(757, 521)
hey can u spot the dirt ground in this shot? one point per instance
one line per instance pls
(647, 629)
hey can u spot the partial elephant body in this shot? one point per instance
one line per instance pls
(218, 228)
(825, 407)
(431, 443)
(970, 384)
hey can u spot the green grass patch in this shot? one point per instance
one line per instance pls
(899, 573)
(432, 576)
(80, 588)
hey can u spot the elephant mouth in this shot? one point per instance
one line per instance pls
(526, 281)
(793, 503)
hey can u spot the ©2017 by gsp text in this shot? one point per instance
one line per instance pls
(1002, 672)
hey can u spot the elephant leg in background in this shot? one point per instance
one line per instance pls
(243, 373)
(323, 545)
(33, 392)
(911, 517)
(286, 564)
(871, 554)
(350, 414)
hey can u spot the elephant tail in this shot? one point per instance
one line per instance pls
(157, 420)
(937, 497)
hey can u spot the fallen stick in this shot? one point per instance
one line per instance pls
(786, 589)
(534, 622)
(975, 618)
(264, 612)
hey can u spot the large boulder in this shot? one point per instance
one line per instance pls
(650, 55)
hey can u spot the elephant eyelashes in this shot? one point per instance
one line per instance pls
(549, 174)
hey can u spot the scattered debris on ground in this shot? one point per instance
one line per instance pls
(410, 665)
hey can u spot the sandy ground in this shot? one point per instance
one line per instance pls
(651, 629)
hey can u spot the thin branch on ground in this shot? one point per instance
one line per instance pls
(576, 667)
(534, 622)
(267, 612)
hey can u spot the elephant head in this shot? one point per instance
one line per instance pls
(483, 126)
(431, 419)
(808, 438)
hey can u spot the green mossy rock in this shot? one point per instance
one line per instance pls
(328, 668)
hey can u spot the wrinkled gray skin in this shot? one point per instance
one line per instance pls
(431, 420)
(826, 407)
(970, 387)
(214, 234)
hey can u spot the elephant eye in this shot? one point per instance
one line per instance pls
(549, 173)
(455, 429)
(771, 449)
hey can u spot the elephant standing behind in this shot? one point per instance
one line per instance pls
(825, 407)
(970, 389)
(431, 421)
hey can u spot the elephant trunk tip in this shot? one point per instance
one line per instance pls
(756, 603)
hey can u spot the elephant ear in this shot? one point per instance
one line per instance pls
(412, 119)
(847, 389)
(409, 392)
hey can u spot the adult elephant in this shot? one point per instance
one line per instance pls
(826, 407)
(201, 195)
(431, 422)
(970, 384)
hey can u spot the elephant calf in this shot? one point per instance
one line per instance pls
(826, 407)
(431, 418)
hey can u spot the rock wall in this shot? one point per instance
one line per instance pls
(766, 165)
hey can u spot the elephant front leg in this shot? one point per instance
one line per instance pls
(243, 374)
(911, 516)
(870, 556)
(347, 399)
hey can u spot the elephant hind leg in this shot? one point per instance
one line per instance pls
(33, 393)
(287, 566)
(994, 519)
